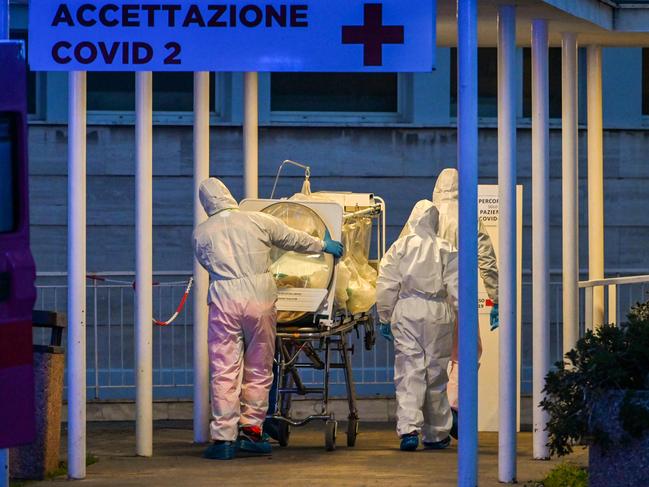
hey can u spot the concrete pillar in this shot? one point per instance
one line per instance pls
(144, 263)
(201, 279)
(570, 190)
(467, 149)
(595, 180)
(540, 231)
(507, 285)
(251, 134)
(77, 275)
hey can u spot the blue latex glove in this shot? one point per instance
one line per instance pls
(494, 318)
(332, 246)
(386, 331)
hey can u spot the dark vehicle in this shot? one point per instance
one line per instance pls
(17, 269)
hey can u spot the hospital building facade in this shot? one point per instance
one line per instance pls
(389, 134)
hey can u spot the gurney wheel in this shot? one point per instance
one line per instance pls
(330, 435)
(283, 433)
(352, 431)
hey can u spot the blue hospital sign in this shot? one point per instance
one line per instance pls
(240, 35)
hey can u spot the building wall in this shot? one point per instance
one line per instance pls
(399, 164)
(396, 155)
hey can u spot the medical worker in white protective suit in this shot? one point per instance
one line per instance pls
(416, 297)
(234, 246)
(445, 199)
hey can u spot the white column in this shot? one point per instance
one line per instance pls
(570, 189)
(507, 288)
(540, 230)
(467, 151)
(251, 134)
(595, 180)
(77, 275)
(143, 264)
(201, 280)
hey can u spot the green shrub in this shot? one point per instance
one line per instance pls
(566, 476)
(609, 358)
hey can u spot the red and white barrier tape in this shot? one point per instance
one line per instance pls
(179, 308)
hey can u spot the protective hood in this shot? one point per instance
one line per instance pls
(446, 186)
(215, 196)
(427, 223)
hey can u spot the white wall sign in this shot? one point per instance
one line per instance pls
(488, 384)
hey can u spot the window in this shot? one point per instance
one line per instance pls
(554, 65)
(334, 92)
(487, 82)
(31, 75)
(645, 81)
(172, 92)
(8, 168)
(111, 91)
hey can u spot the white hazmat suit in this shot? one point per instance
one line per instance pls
(416, 292)
(445, 199)
(234, 247)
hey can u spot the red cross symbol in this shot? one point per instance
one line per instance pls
(373, 34)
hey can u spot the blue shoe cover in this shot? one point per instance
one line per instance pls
(252, 441)
(409, 442)
(225, 450)
(254, 447)
(438, 445)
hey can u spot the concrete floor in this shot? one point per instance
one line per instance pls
(375, 460)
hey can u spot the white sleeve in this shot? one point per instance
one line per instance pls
(487, 263)
(287, 238)
(450, 274)
(388, 283)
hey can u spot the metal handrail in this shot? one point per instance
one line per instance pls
(611, 285)
(614, 281)
(114, 273)
(188, 272)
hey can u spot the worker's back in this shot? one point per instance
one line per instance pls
(423, 258)
(234, 246)
(446, 200)
(419, 265)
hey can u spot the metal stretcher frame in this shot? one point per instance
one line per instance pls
(296, 342)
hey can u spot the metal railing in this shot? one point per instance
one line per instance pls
(110, 340)
(110, 332)
(618, 291)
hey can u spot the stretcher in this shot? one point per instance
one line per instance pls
(317, 348)
(316, 321)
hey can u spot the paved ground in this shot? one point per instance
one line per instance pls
(375, 460)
